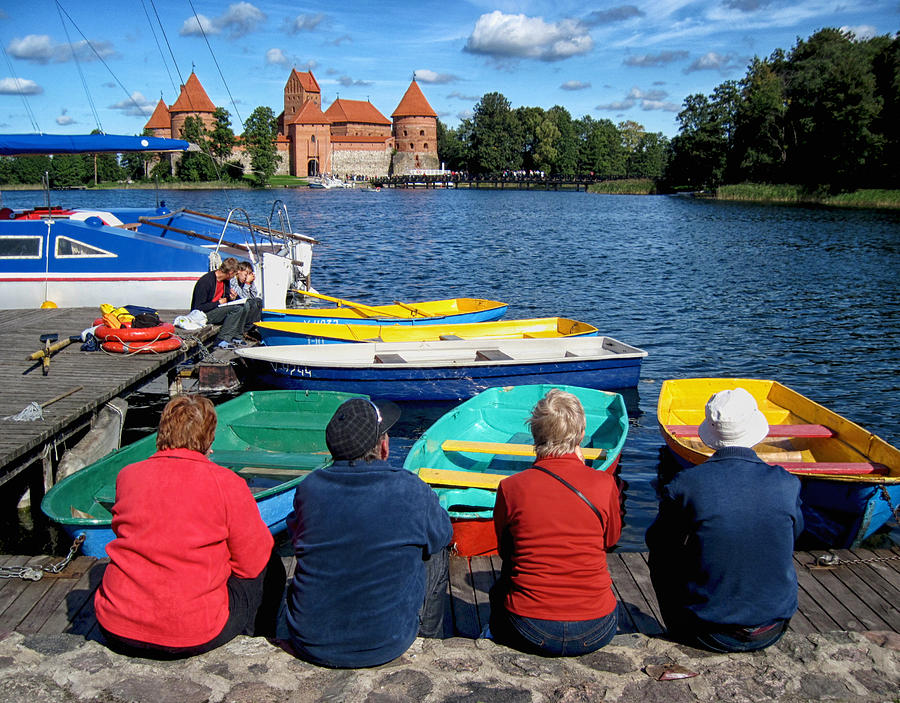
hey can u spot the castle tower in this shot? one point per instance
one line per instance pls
(299, 89)
(415, 132)
(160, 124)
(193, 100)
(309, 136)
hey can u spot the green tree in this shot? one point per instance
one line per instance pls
(886, 70)
(260, 131)
(566, 162)
(649, 158)
(496, 140)
(194, 166)
(221, 137)
(760, 146)
(529, 119)
(832, 109)
(67, 170)
(29, 169)
(546, 138)
(601, 150)
(701, 148)
(452, 146)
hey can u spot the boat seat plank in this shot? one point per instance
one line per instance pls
(491, 355)
(450, 337)
(461, 479)
(508, 448)
(385, 358)
(275, 460)
(798, 431)
(833, 467)
(273, 472)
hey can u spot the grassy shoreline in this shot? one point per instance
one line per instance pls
(627, 186)
(796, 195)
(275, 182)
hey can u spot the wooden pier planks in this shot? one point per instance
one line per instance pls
(102, 377)
(859, 596)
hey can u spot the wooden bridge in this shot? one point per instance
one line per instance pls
(495, 182)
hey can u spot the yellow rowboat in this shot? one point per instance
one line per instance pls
(278, 333)
(851, 477)
(429, 312)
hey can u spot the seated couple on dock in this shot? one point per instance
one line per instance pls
(235, 308)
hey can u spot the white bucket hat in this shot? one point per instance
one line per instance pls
(733, 420)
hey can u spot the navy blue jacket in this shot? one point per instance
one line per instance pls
(721, 548)
(360, 532)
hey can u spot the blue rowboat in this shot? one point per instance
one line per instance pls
(850, 477)
(430, 312)
(279, 333)
(467, 452)
(446, 370)
(273, 439)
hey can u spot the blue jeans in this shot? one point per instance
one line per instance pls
(552, 638)
(744, 639)
(437, 575)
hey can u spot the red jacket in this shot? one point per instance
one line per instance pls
(183, 526)
(552, 544)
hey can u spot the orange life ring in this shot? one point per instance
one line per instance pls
(135, 334)
(158, 347)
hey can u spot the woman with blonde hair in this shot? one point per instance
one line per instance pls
(192, 564)
(554, 523)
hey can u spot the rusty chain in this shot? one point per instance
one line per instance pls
(36, 573)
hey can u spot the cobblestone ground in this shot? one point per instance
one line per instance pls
(834, 667)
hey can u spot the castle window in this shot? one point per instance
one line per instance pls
(424, 146)
(412, 146)
(313, 138)
(421, 132)
(404, 132)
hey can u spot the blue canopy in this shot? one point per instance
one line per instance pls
(11, 144)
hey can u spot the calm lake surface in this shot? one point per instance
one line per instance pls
(809, 297)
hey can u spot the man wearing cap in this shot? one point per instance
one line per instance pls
(721, 548)
(370, 541)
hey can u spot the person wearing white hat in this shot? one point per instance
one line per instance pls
(721, 547)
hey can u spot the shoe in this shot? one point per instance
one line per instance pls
(238, 342)
(224, 345)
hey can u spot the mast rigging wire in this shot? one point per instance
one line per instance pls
(158, 47)
(216, 62)
(87, 92)
(21, 92)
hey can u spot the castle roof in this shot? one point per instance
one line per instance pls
(160, 117)
(357, 111)
(414, 104)
(193, 98)
(307, 80)
(309, 113)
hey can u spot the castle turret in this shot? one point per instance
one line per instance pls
(160, 123)
(301, 87)
(415, 132)
(193, 101)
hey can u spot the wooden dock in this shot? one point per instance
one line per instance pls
(102, 377)
(862, 595)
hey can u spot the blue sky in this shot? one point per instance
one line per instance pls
(634, 61)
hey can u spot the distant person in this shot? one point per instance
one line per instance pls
(555, 522)
(371, 546)
(191, 566)
(212, 295)
(722, 546)
(244, 287)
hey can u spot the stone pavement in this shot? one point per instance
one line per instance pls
(838, 666)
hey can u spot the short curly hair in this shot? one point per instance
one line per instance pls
(557, 424)
(187, 422)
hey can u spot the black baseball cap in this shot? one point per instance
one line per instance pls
(356, 425)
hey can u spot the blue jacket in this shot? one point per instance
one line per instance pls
(360, 532)
(721, 548)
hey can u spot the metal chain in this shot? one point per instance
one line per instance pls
(826, 561)
(895, 512)
(36, 573)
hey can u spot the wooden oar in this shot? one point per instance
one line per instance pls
(412, 308)
(376, 312)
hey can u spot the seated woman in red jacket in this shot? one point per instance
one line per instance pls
(554, 596)
(192, 565)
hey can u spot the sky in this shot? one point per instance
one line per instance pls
(71, 66)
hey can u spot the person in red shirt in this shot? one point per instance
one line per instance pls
(554, 596)
(192, 564)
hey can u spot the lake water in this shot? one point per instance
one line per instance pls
(809, 297)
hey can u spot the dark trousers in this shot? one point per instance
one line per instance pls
(553, 638)
(252, 610)
(437, 576)
(254, 313)
(682, 625)
(231, 317)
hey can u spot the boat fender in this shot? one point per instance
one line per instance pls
(135, 334)
(155, 347)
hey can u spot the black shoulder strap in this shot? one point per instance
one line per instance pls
(574, 490)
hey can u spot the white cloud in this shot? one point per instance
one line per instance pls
(861, 32)
(460, 96)
(136, 106)
(647, 99)
(712, 61)
(423, 75)
(348, 82)
(465, 115)
(276, 56)
(615, 14)
(616, 106)
(503, 36)
(64, 119)
(652, 60)
(575, 85)
(39, 48)
(240, 19)
(19, 86)
(304, 23)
